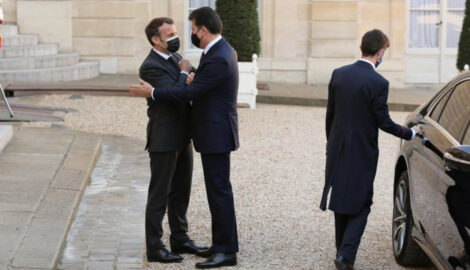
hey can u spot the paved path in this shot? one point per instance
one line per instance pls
(108, 231)
(43, 173)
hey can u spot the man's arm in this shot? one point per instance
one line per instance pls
(330, 109)
(209, 78)
(159, 77)
(213, 74)
(383, 119)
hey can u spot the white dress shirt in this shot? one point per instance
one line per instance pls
(212, 43)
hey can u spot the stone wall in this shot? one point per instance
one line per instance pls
(302, 40)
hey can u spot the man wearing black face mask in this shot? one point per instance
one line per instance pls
(169, 146)
(214, 127)
(357, 108)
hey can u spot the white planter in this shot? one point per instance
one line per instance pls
(247, 90)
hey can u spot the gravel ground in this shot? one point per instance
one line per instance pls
(277, 177)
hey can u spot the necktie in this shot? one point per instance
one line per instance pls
(173, 60)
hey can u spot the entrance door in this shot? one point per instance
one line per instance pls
(434, 28)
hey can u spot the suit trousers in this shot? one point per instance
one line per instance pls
(220, 197)
(170, 185)
(349, 230)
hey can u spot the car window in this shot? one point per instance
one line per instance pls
(457, 110)
(440, 105)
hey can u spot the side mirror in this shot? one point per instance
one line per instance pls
(458, 158)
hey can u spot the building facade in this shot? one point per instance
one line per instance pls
(302, 40)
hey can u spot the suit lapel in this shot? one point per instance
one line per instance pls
(169, 67)
(214, 48)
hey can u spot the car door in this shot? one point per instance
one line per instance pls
(453, 193)
(424, 163)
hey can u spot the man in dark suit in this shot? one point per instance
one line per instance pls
(214, 127)
(357, 108)
(169, 146)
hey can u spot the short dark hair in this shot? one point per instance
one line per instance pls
(153, 28)
(207, 17)
(373, 41)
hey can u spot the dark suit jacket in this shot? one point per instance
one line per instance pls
(168, 126)
(357, 108)
(214, 118)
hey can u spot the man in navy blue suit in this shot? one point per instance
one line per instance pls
(357, 108)
(214, 127)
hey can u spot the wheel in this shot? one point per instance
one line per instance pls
(405, 249)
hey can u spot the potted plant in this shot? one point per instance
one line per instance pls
(463, 58)
(241, 29)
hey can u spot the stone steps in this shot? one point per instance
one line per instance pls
(40, 196)
(9, 30)
(20, 40)
(23, 59)
(80, 71)
(48, 61)
(29, 51)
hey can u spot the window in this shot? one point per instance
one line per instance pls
(428, 17)
(195, 4)
(455, 15)
(440, 105)
(424, 14)
(457, 110)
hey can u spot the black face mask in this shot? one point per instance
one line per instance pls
(378, 62)
(173, 44)
(195, 40)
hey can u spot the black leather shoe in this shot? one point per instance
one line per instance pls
(206, 253)
(189, 248)
(218, 260)
(342, 264)
(163, 256)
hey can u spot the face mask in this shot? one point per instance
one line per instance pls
(378, 62)
(195, 40)
(173, 44)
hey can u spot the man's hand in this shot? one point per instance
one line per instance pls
(418, 131)
(190, 78)
(185, 65)
(144, 89)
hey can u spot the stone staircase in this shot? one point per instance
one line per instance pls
(23, 59)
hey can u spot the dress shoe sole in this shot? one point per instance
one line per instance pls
(182, 251)
(232, 263)
(152, 260)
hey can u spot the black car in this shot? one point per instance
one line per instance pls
(431, 213)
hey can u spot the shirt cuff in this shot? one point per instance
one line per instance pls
(184, 72)
(153, 97)
(414, 134)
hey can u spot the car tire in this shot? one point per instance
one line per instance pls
(406, 250)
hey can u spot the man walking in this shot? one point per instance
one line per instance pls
(214, 127)
(169, 146)
(357, 108)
